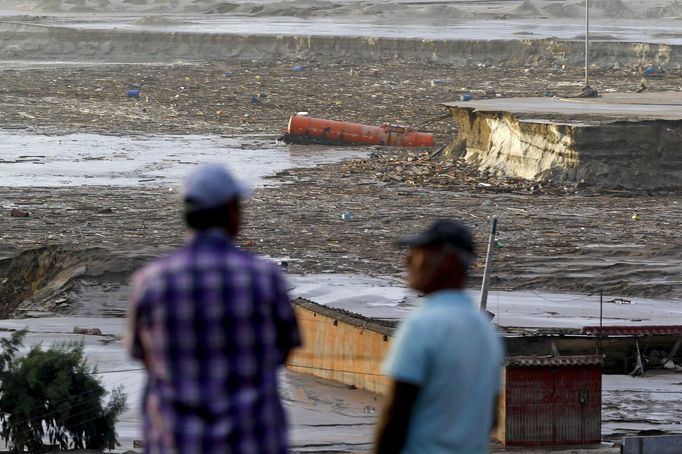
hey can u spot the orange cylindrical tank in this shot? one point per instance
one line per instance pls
(355, 133)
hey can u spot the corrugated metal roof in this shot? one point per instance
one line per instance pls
(550, 406)
(553, 361)
(651, 330)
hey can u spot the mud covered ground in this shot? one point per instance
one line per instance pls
(552, 237)
(246, 97)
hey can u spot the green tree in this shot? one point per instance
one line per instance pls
(53, 394)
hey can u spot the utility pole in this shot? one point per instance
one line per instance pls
(601, 319)
(488, 265)
(587, 41)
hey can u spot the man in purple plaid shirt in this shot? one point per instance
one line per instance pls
(212, 324)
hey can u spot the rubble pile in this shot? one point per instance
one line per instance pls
(427, 170)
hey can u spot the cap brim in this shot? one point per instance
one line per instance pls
(415, 240)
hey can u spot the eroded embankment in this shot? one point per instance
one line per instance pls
(24, 41)
(58, 279)
(629, 154)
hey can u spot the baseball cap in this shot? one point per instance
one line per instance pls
(443, 231)
(210, 186)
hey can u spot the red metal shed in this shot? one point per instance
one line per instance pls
(550, 401)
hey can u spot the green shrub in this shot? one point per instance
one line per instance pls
(52, 394)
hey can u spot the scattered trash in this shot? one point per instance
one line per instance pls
(255, 99)
(133, 92)
(17, 213)
(249, 243)
(652, 71)
(435, 82)
(620, 301)
(346, 216)
(306, 129)
(636, 217)
(670, 365)
(373, 72)
(284, 264)
(466, 97)
(548, 94)
(227, 74)
(87, 331)
(298, 68)
(586, 92)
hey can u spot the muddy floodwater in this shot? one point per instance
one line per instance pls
(665, 31)
(109, 160)
(311, 403)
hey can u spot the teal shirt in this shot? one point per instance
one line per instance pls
(448, 348)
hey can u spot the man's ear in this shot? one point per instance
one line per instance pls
(454, 267)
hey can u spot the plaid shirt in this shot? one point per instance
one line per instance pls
(212, 323)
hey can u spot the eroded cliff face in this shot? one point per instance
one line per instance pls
(630, 154)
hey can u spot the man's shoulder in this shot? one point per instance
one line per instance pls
(454, 321)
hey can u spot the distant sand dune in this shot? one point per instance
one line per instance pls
(673, 10)
(613, 8)
(427, 12)
(527, 9)
(562, 10)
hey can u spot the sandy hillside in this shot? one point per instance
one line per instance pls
(375, 10)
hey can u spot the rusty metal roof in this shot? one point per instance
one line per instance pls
(650, 330)
(553, 361)
(381, 326)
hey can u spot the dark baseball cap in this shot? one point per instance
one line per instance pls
(443, 231)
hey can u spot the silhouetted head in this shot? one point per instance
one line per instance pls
(212, 199)
(439, 257)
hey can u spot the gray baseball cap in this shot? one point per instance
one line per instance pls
(210, 186)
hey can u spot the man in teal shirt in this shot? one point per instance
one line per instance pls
(445, 362)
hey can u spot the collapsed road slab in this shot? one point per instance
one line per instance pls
(618, 140)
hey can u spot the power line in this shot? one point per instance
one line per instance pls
(119, 370)
(562, 301)
(78, 395)
(335, 370)
(29, 431)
